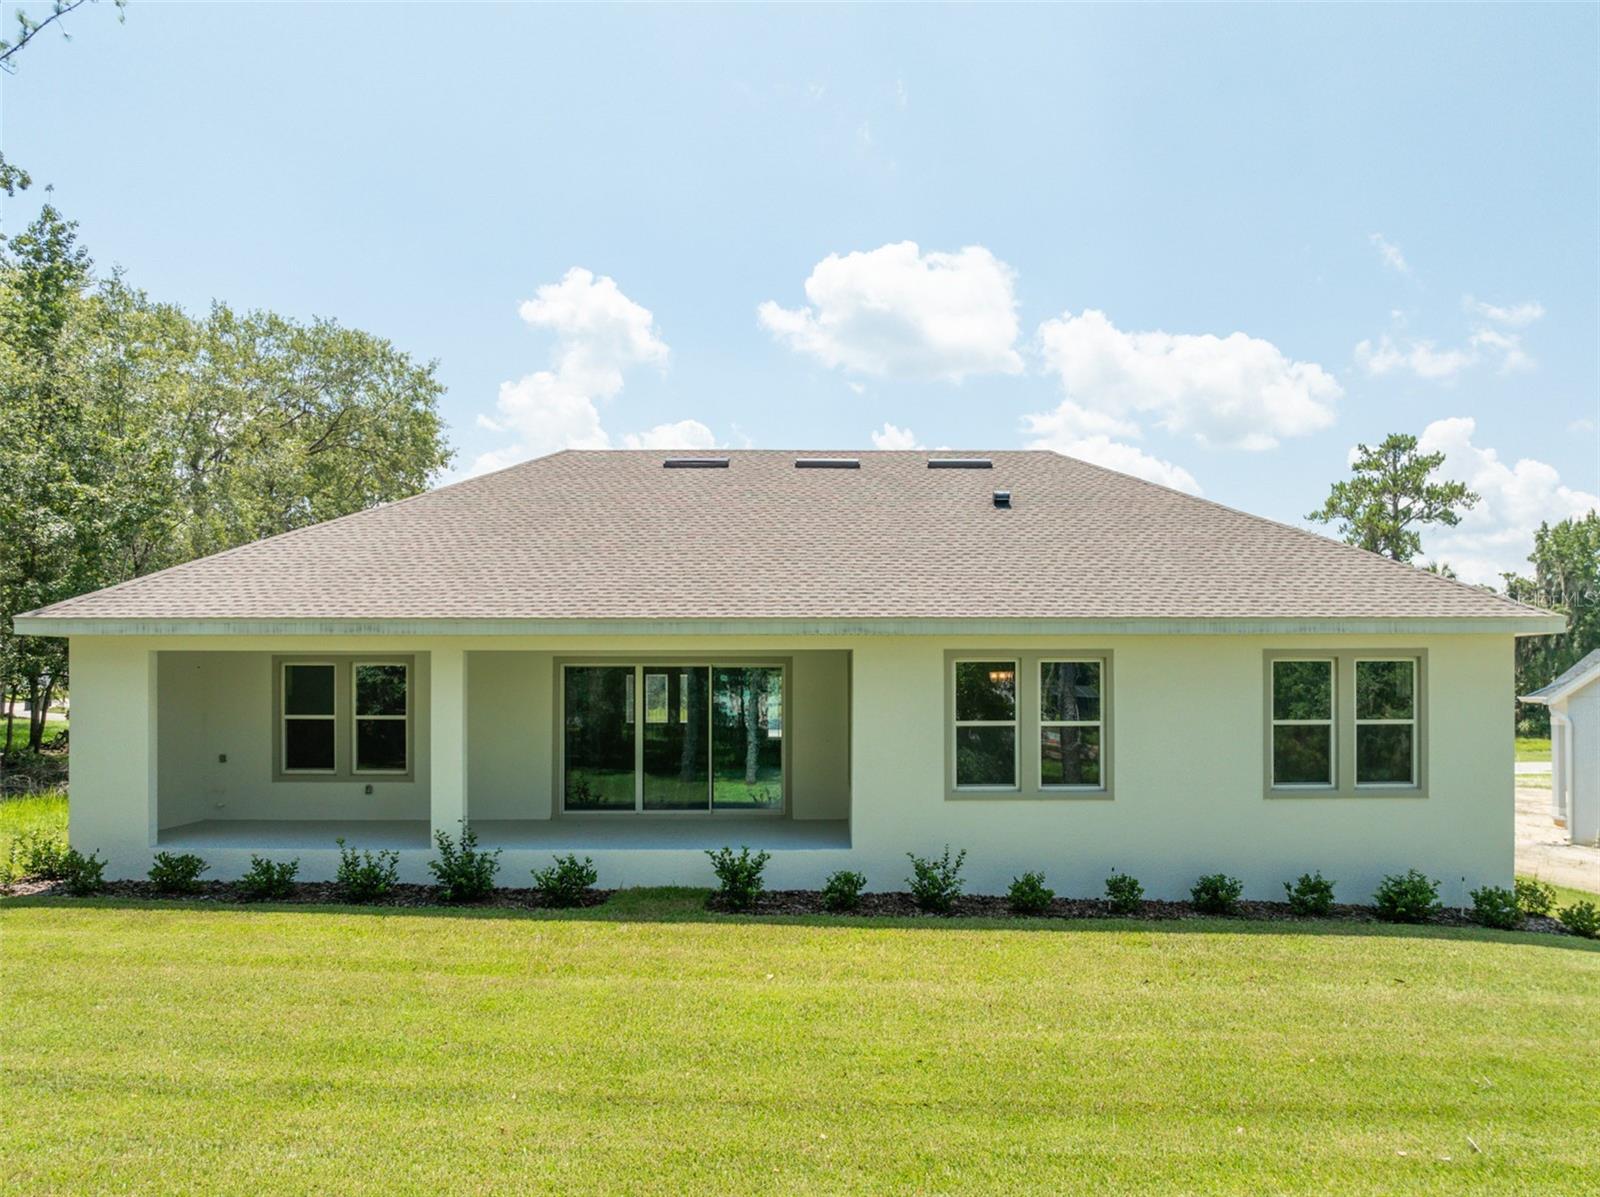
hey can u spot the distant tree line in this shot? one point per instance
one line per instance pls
(135, 436)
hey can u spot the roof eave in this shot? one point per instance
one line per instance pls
(44, 624)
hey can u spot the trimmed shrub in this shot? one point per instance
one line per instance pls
(1124, 894)
(82, 875)
(364, 876)
(567, 881)
(1582, 918)
(841, 892)
(1496, 906)
(1311, 896)
(740, 876)
(1535, 897)
(39, 855)
(265, 880)
(1028, 894)
(463, 872)
(1409, 897)
(936, 884)
(1217, 893)
(177, 873)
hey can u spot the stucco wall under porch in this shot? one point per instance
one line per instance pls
(220, 790)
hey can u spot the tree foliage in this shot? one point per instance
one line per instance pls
(134, 436)
(1566, 578)
(1392, 493)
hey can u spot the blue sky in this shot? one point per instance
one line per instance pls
(1217, 247)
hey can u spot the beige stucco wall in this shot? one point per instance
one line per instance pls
(1188, 716)
(1583, 710)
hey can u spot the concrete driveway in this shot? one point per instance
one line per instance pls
(1543, 850)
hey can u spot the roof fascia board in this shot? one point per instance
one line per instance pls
(43, 625)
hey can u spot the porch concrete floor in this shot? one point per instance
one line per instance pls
(570, 833)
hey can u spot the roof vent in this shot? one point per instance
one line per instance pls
(960, 463)
(696, 463)
(1002, 498)
(827, 463)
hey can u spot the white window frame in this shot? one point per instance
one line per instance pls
(1331, 723)
(1099, 723)
(1359, 723)
(356, 665)
(284, 716)
(1015, 723)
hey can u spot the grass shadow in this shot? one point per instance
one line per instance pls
(682, 904)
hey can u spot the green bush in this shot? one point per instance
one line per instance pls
(1582, 918)
(82, 875)
(36, 854)
(567, 881)
(1124, 894)
(740, 876)
(463, 872)
(1311, 896)
(936, 884)
(365, 877)
(841, 891)
(1408, 897)
(1028, 894)
(1535, 897)
(1496, 906)
(1217, 893)
(265, 880)
(177, 873)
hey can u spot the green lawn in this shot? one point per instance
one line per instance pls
(648, 1047)
(54, 725)
(1532, 748)
(21, 814)
(1566, 896)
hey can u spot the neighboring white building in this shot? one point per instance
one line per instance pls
(1574, 702)
(637, 657)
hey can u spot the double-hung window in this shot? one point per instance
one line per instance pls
(343, 717)
(310, 730)
(1303, 722)
(986, 724)
(1071, 729)
(1386, 722)
(381, 715)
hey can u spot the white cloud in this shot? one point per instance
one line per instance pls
(897, 312)
(1497, 535)
(685, 434)
(1078, 432)
(1235, 392)
(891, 437)
(600, 335)
(1390, 253)
(1486, 344)
(1582, 424)
(1419, 357)
(1516, 315)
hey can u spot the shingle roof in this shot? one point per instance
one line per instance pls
(615, 536)
(1586, 670)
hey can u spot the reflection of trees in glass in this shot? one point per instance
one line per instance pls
(692, 702)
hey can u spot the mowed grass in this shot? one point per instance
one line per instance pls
(648, 1047)
(1533, 748)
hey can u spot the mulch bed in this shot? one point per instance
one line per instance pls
(782, 902)
(303, 893)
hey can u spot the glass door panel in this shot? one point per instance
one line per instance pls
(598, 712)
(676, 737)
(747, 738)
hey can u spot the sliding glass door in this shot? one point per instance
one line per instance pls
(678, 737)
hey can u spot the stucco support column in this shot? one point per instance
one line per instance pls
(114, 763)
(447, 748)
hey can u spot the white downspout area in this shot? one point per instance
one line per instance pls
(1561, 783)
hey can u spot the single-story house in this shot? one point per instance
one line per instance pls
(1574, 702)
(637, 656)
